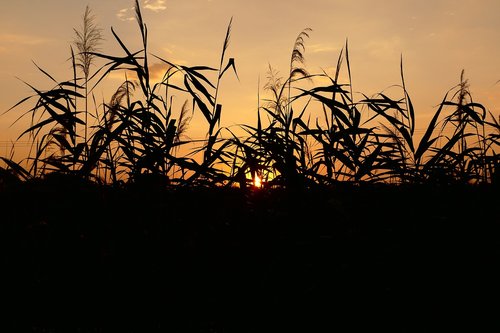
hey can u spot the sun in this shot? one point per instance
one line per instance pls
(259, 179)
(257, 182)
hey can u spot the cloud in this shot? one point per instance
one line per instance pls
(318, 48)
(155, 5)
(123, 14)
(128, 14)
(158, 70)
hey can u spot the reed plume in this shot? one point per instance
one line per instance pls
(125, 90)
(184, 120)
(87, 40)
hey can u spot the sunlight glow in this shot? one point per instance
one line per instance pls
(260, 179)
(257, 182)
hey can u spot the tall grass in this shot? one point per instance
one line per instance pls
(138, 132)
(86, 41)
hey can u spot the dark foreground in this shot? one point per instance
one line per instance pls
(78, 258)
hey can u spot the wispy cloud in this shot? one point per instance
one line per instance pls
(158, 70)
(155, 5)
(128, 14)
(319, 48)
(124, 14)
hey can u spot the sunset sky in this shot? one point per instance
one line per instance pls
(437, 39)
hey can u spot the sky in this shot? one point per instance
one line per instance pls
(436, 40)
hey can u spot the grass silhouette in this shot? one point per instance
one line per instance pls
(356, 226)
(137, 132)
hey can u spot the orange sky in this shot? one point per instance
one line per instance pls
(437, 39)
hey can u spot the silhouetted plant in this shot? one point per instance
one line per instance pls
(204, 94)
(87, 40)
(137, 133)
(277, 149)
(53, 119)
(347, 150)
(147, 132)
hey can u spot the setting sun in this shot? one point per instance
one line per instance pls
(257, 182)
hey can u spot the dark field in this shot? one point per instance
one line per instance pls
(86, 258)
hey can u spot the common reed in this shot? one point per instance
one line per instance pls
(140, 131)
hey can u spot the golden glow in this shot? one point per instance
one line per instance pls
(257, 182)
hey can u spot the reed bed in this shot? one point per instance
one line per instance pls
(140, 132)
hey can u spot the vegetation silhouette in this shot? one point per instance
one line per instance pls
(356, 225)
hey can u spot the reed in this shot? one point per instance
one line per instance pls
(139, 131)
(87, 40)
